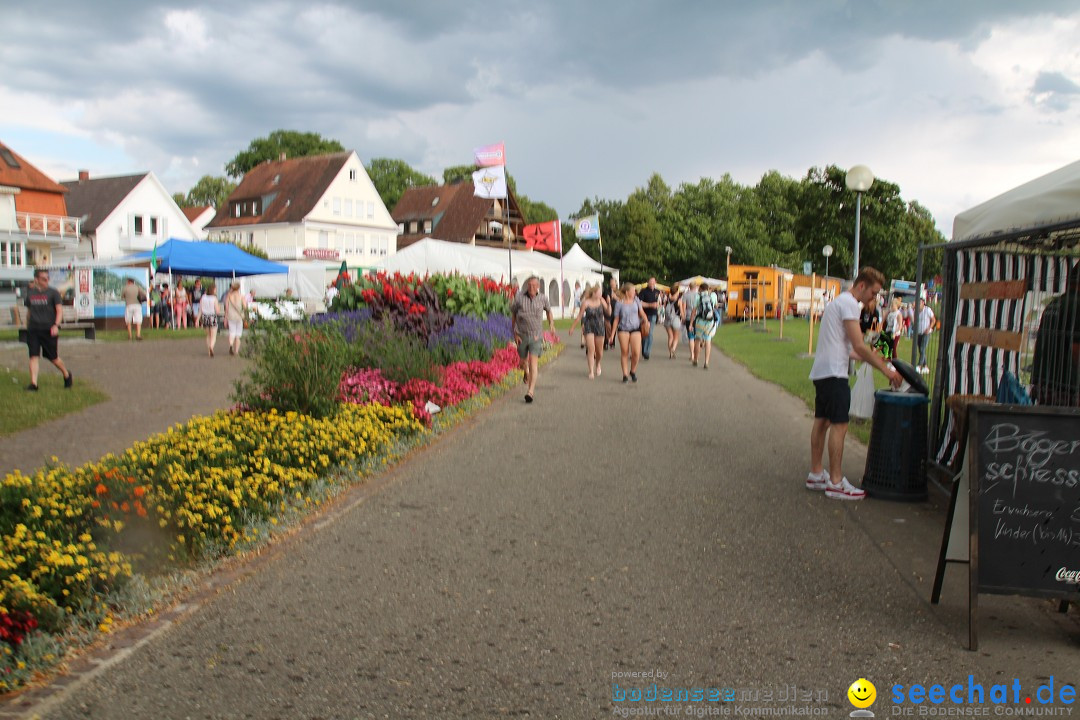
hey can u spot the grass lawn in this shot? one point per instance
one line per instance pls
(12, 334)
(24, 409)
(783, 362)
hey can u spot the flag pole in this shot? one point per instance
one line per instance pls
(507, 229)
(562, 276)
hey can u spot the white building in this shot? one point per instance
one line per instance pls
(321, 208)
(120, 216)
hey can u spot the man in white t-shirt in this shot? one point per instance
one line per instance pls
(839, 340)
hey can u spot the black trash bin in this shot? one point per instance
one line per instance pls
(896, 458)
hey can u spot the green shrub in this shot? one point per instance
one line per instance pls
(294, 367)
(399, 354)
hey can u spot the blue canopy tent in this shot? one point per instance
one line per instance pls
(208, 259)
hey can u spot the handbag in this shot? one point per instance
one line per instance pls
(646, 328)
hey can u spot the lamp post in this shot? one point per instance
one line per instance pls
(827, 252)
(727, 268)
(859, 179)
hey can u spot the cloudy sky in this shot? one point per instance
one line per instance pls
(954, 100)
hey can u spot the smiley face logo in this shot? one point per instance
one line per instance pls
(862, 693)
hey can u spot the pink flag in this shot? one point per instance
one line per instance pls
(489, 155)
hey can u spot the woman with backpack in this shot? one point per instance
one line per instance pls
(706, 320)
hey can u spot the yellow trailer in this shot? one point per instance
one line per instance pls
(757, 291)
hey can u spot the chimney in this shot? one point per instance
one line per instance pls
(281, 157)
(84, 175)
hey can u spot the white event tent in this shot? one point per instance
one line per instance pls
(439, 256)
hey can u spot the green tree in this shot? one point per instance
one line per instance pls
(180, 199)
(536, 212)
(209, 190)
(393, 177)
(290, 142)
(457, 173)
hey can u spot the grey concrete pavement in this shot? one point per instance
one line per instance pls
(151, 385)
(514, 567)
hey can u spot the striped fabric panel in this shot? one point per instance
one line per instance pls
(974, 369)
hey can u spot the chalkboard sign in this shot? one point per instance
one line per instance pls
(1022, 496)
(1025, 499)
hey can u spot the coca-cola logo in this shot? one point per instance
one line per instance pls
(1068, 576)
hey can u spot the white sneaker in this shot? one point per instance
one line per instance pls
(817, 483)
(844, 491)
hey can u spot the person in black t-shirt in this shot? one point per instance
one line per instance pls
(44, 314)
(870, 317)
(650, 302)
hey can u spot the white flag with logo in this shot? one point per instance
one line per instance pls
(490, 182)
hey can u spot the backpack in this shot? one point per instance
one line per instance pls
(708, 307)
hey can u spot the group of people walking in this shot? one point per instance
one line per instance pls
(624, 314)
(171, 309)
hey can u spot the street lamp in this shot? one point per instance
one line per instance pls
(859, 179)
(827, 252)
(727, 268)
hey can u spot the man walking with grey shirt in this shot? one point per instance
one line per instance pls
(527, 318)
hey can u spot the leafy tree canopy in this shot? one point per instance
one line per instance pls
(290, 142)
(393, 177)
(209, 190)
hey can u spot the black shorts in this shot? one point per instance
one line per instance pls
(832, 399)
(41, 342)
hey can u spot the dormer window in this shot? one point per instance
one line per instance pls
(9, 158)
(435, 201)
(277, 179)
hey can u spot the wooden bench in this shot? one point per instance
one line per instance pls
(89, 331)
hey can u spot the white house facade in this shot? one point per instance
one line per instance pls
(322, 208)
(123, 215)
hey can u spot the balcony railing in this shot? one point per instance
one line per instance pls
(36, 227)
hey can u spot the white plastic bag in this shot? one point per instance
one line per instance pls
(862, 395)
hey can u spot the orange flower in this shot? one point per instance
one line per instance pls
(140, 491)
(101, 489)
(95, 504)
(125, 507)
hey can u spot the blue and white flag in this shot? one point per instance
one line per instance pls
(588, 227)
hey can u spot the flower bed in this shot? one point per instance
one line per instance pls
(345, 391)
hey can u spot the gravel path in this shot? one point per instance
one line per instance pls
(151, 386)
(519, 564)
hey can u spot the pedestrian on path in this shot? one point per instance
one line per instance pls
(527, 320)
(650, 301)
(673, 320)
(706, 320)
(44, 313)
(894, 326)
(630, 324)
(235, 316)
(689, 304)
(592, 310)
(180, 306)
(610, 293)
(209, 309)
(926, 326)
(839, 340)
(133, 297)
